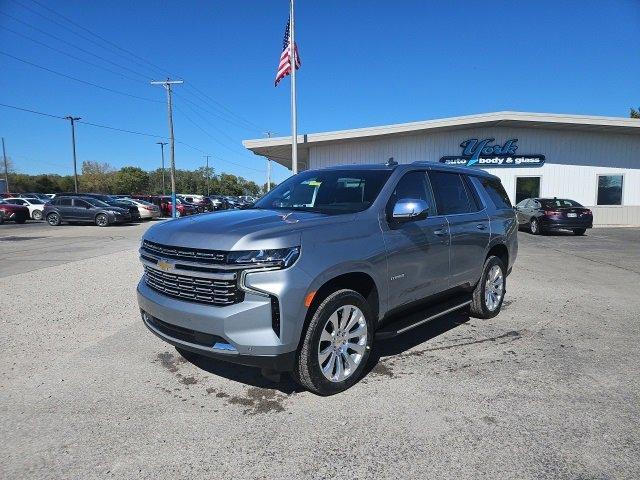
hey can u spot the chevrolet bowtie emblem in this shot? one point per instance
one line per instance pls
(164, 266)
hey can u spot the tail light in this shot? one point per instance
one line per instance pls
(550, 213)
(148, 208)
(586, 211)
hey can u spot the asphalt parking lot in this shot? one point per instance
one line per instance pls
(547, 389)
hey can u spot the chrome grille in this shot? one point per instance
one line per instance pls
(195, 289)
(181, 253)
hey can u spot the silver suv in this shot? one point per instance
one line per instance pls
(305, 279)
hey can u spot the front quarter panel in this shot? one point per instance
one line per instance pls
(350, 244)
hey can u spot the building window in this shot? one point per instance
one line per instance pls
(527, 187)
(609, 190)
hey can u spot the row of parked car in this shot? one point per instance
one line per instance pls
(105, 210)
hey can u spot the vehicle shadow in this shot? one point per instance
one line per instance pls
(240, 373)
(381, 348)
(417, 336)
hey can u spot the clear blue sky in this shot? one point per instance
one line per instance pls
(364, 63)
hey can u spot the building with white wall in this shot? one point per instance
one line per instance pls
(593, 160)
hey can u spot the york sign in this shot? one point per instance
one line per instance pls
(483, 153)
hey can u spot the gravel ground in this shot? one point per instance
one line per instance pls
(548, 389)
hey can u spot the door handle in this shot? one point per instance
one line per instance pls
(441, 232)
(481, 226)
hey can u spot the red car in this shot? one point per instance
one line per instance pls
(16, 213)
(182, 208)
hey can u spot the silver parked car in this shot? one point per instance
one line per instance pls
(305, 279)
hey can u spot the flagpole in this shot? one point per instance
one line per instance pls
(294, 113)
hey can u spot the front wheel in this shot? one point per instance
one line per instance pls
(534, 227)
(579, 231)
(489, 292)
(37, 215)
(102, 220)
(53, 219)
(336, 344)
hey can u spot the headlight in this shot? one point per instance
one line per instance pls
(114, 212)
(281, 257)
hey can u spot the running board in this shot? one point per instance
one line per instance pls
(413, 320)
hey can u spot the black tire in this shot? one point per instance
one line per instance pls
(307, 370)
(479, 307)
(37, 215)
(102, 220)
(53, 219)
(579, 231)
(534, 227)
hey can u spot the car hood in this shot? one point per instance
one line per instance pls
(240, 229)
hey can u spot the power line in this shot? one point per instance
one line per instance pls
(31, 111)
(108, 127)
(62, 40)
(218, 141)
(78, 79)
(163, 71)
(62, 52)
(109, 42)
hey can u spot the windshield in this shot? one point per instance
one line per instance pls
(96, 203)
(327, 191)
(559, 202)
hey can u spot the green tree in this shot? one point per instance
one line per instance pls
(96, 177)
(130, 180)
(633, 113)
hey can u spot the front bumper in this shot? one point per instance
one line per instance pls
(283, 362)
(246, 326)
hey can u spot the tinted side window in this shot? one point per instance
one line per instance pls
(80, 203)
(64, 202)
(496, 192)
(413, 185)
(450, 193)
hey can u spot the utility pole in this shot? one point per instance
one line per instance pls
(73, 145)
(268, 134)
(207, 170)
(6, 168)
(167, 85)
(162, 144)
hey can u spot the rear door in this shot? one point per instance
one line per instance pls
(418, 250)
(65, 208)
(469, 230)
(82, 210)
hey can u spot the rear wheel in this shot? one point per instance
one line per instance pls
(102, 220)
(53, 219)
(37, 215)
(579, 231)
(489, 292)
(178, 214)
(336, 344)
(534, 227)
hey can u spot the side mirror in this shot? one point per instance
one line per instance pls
(410, 209)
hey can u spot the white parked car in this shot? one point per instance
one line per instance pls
(35, 205)
(147, 210)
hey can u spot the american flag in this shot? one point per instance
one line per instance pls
(284, 68)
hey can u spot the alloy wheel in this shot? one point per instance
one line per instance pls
(342, 343)
(494, 288)
(534, 226)
(53, 219)
(102, 221)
